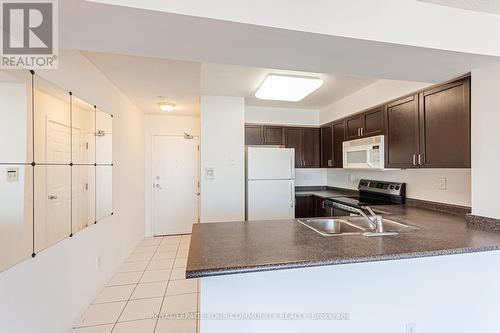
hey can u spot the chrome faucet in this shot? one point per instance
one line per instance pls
(375, 221)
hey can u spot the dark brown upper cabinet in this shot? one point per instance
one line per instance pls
(338, 129)
(254, 135)
(445, 126)
(264, 135)
(430, 129)
(368, 123)
(311, 150)
(353, 126)
(402, 141)
(374, 122)
(332, 137)
(306, 142)
(293, 139)
(274, 135)
(326, 146)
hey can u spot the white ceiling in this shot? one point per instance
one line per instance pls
(485, 6)
(231, 80)
(144, 79)
(171, 36)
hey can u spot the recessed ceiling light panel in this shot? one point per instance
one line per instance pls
(287, 88)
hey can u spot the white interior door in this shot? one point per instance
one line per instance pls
(58, 183)
(175, 184)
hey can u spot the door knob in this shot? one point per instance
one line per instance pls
(52, 197)
(158, 186)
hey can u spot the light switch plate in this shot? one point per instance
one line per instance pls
(209, 173)
(442, 183)
(12, 174)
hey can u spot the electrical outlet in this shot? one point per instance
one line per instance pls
(98, 262)
(411, 328)
(442, 183)
(350, 177)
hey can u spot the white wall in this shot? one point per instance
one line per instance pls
(310, 177)
(422, 183)
(56, 286)
(222, 148)
(162, 125)
(376, 93)
(281, 116)
(435, 293)
(485, 141)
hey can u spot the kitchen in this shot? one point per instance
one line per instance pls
(289, 263)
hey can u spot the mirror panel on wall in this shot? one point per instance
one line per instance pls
(104, 138)
(83, 197)
(104, 191)
(16, 214)
(56, 170)
(52, 127)
(83, 120)
(52, 217)
(16, 115)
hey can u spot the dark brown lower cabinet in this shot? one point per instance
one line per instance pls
(309, 206)
(320, 209)
(304, 206)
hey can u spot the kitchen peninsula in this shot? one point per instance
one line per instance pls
(430, 276)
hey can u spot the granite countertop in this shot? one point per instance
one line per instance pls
(322, 193)
(240, 247)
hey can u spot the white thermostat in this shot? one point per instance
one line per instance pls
(12, 174)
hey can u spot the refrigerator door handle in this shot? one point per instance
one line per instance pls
(292, 199)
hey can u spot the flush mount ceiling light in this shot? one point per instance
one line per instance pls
(287, 88)
(166, 106)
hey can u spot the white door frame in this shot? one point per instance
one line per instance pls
(152, 181)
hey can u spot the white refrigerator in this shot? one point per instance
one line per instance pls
(270, 188)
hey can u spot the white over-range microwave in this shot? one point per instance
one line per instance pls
(365, 153)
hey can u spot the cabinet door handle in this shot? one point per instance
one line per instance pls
(414, 159)
(362, 131)
(419, 159)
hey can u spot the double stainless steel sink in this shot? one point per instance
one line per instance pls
(353, 225)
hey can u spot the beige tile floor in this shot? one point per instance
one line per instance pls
(151, 282)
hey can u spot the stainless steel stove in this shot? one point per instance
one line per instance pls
(371, 193)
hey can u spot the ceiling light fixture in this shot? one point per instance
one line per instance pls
(166, 106)
(287, 88)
